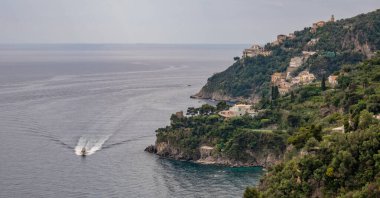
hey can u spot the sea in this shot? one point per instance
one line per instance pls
(56, 99)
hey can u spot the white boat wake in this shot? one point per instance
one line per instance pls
(90, 143)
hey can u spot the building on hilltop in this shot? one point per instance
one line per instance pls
(320, 24)
(255, 50)
(291, 36)
(281, 38)
(332, 19)
(317, 25)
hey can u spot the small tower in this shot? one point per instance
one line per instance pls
(332, 18)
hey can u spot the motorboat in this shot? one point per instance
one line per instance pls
(83, 152)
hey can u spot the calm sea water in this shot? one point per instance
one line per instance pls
(56, 99)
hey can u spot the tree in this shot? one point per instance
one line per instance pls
(275, 93)
(251, 192)
(292, 96)
(222, 106)
(294, 120)
(236, 58)
(323, 83)
(346, 124)
(365, 83)
(365, 119)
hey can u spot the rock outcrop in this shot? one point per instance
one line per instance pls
(216, 95)
(207, 155)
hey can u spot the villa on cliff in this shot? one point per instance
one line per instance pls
(281, 38)
(238, 110)
(255, 50)
(319, 24)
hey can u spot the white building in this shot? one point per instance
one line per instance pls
(238, 110)
(333, 80)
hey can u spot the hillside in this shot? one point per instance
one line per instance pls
(321, 140)
(327, 47)
(335, 135)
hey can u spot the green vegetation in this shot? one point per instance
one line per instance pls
(328, 163)
(343, 42)
(319, 158)
(229, 136)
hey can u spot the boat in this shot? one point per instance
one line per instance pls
(83, 152)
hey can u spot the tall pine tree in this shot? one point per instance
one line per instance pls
(323, 83)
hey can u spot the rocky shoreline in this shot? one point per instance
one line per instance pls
(265, 159)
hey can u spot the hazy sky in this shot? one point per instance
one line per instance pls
(165, 21)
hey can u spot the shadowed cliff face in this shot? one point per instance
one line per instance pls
(219, 95)
(263, 158)
(214, 95)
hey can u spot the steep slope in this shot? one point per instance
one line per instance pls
(336, 136)
(337, 43)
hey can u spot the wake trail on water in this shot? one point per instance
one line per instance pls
(90, 143)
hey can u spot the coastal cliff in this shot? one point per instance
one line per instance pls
(206, 155)
(208, 138)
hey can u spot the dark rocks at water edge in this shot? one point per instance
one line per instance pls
(151, 149)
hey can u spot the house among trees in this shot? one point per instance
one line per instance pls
(256, 50)
(312, 42)
(238, 110)
(305, 77)
(276, 77)
(285, 82)
(333, 80)
(279, 80)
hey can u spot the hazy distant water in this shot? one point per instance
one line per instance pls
(109, 98)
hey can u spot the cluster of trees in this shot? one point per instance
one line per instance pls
(231, 137)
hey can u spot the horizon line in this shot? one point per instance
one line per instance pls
(111, 43)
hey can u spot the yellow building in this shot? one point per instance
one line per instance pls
(276, 77)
